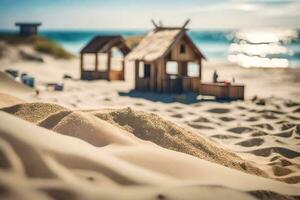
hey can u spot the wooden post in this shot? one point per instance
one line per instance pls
(96, 62)
(153, 76)
(179, 68)
(123, 69)
(136, 63)
(81, 65)
(200, 68)
(184, 68)
(108, 64)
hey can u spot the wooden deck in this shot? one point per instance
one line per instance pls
(222, 90)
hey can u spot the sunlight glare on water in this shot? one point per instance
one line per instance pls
(263, 48)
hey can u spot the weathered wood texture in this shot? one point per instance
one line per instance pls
(104, 44)
(222, 91)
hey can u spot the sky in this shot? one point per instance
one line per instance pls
(137, 14)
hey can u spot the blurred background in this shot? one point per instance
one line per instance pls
(251, 33)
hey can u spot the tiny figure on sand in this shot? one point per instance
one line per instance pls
(215, 76)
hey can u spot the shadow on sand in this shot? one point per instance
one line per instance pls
(185, 98)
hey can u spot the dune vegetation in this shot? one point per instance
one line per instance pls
(40, 44)
(133, 41)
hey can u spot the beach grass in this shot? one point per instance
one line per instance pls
(40, 44)
(133, 41)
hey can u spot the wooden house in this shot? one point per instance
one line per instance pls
(101, 49)
(28, 29)
(160, 48)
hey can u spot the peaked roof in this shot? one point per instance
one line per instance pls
(103, 43)
(158, 42)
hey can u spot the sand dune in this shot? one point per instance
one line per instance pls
(145, 126)
(9, 86)
(67, 167)
(7, 100)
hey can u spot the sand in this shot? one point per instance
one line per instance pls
(66, 163)
(98, 140)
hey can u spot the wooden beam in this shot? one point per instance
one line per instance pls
(123, 69)
(186, 23)
(154, 24)
(96, 62)
(200, 68)
(108, 64)
(81, 65)
(136, 64)
(153, 75)
(184, 68)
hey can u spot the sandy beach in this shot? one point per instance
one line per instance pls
(100, 140)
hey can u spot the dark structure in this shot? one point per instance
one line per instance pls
(104, 45)
(28, 29)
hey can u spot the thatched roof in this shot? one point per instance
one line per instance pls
(158, 43)
(103, 43)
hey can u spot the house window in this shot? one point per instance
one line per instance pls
(193, 69)
(182, 48)
(172, 68)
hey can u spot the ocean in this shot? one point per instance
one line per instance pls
(248, 48)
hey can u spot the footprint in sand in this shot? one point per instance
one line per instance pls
(285, 134)
(61, 193)
(241, 107)
(106, 99)
(278, 160)
(259, 133)
(170, 111)
(265, 152)
(225, 137)
(252, 119)
(281, 171)
(288, 125)
(264, 126)
(240, 129)
(139, 104)
(269, 116)
(177, 107)
(270, 112)
(202, 119)
(227, 119)
(199, 126)
(293, 117)
(219, 110)
(251, 142)
(297, 110)
(177, 116)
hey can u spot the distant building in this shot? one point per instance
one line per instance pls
(161, 47)
(104, 45)
(27, 29)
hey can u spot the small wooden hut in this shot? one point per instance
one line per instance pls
(160, 48)
(28, 28)
(101, 47)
